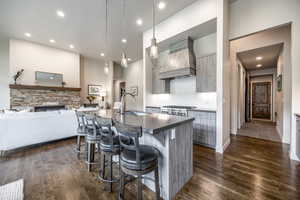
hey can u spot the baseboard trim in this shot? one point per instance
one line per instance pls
(5, 153)
(224, 147)
(293, 156)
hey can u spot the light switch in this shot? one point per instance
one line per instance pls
(173, 134)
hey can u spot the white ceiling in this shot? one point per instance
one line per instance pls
(269, 54)
(84, 23)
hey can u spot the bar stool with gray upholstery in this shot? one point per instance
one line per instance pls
(80, 131)
(109, 147)
(136, 159)
(93, 138)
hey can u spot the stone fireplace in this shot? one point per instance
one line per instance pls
(34, 96)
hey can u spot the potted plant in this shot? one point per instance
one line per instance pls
(91, 98)
(17, 75)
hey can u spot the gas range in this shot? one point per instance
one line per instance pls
(176, 110)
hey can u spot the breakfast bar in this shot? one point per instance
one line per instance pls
(173, 137)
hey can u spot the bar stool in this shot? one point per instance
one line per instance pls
(80, 131)
(135, 159)
(109, 147)
(92, 139)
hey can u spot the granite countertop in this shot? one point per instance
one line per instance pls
(151, 123)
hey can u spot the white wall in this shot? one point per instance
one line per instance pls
(258, 40)
(203, 11)
(279, 97)
(35, 57)
(223, 77)
(241, 91)
(183, 90)
(266, 14)
(133, 76)
(4, 73)
(92, 73)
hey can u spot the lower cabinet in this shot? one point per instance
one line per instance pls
(298, 136)
(204, 128)
(153, 109)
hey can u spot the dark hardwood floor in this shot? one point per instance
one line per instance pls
(250, 169)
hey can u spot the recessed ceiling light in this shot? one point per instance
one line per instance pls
(27, 34)
(139, 22)
(129, 59)
(52, 41)
(60, 13)
(161, 5)
(102, 54)
(259, 65)
(259, 58)
(124, 40)
(71, 46)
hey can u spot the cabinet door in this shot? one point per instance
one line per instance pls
(204, 128)
(298, 138)
(159, 86)
(206, 77)
(152, 110)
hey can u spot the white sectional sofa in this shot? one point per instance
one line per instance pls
(28, 128)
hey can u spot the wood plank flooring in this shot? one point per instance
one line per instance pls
(261, 130)
(249, 169)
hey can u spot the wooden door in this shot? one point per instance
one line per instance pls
(261, 100)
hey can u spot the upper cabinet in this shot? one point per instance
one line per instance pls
(159, 86)
(206, 76)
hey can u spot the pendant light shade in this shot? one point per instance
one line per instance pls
(153, 47)
(124, 60)
(106, 69)
(123, 56)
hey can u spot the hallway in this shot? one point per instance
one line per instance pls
(260, 129)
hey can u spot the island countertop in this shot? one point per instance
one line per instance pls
(151, 123)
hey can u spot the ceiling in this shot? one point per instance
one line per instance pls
(84, 23)
(269, 56)
(194, 33)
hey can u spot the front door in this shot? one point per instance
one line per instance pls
(261, 100)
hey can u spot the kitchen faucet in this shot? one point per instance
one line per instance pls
(122, 109)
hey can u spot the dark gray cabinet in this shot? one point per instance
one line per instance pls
(206, 73)
(298, 136)
(204, 127)
(151, 109)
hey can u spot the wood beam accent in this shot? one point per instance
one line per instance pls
(40, 87)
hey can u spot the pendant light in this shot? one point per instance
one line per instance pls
(153, 47)
(123, 56)
(106, 69)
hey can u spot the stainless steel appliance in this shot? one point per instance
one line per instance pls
(176, 110)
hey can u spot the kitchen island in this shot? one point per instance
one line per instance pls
(173, 137)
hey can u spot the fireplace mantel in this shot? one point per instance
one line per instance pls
(40, 87)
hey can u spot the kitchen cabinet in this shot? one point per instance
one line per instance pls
(204, 127)
(298, 136)
(206, 76)
(159, 86)
(150, 109)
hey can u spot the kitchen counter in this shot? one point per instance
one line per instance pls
(193, 109)
(152, 123)
(204, 110)
(173, 137)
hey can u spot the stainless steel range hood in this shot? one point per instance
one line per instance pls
(181, 61)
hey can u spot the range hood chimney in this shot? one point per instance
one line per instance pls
(181, 60)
